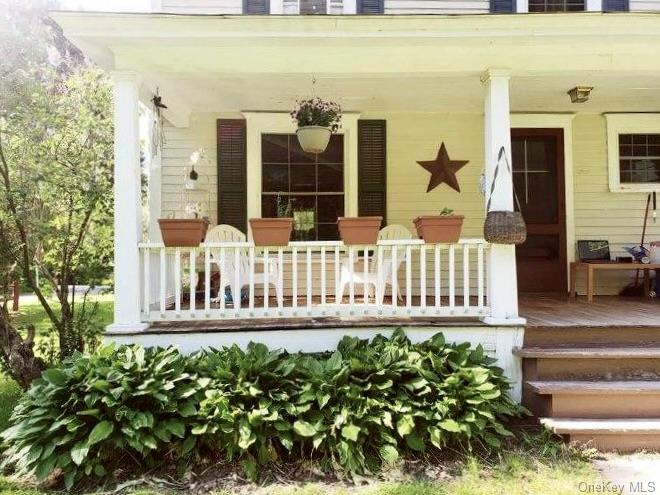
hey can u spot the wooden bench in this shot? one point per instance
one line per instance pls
(591, 268)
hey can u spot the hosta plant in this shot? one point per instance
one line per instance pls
(97, 413)
(353, 410)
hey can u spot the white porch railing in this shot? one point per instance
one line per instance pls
(305, 279)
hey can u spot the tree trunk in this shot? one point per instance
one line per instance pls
(18, 354)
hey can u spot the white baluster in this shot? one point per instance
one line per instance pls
(236, 298)
(266, 279)
(408, 277)
(223, 281)
(207, 281)
(193, 282)
(365, 274)
(177, 281)
(146, 303)
(452, 276)
(337, 278)
(380, 280)
(422, 276)
(280, 279)
(323, 281)
(294, 278)
(351, 280)
(436, 278)
(309, 285)
(163, 281)
(480, 275)
(466, 277)
(395, 280)
(251, 287)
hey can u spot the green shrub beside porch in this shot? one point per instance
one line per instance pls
(353, 410)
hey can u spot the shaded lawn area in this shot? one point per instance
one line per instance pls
(538, 465)
(31, 312)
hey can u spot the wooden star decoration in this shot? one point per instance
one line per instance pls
(443, 170)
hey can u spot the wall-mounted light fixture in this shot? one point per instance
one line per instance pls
(580, 94)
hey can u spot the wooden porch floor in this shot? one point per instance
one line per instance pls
(605, 311)
(540, 312)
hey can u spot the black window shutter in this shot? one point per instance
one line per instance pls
(232, 173)
(372, 168)
(616, 5)
(502, 6)
(370, 6)
(256, 7)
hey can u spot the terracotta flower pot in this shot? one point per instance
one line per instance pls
(182, 232)
(271, 231)
(444, 229)
(313, 138)
(359, 230)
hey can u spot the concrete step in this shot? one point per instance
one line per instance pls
(622, 434)
(590, 363)
(593, 399)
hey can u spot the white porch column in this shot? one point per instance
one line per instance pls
(128, 211)
(502, 283)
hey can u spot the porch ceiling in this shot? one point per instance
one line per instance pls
(381, 64)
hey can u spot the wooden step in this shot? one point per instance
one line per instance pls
(622, 434)
(600, 387)
(617, 336)
(594, 399)
(590, 363)
(651, 352)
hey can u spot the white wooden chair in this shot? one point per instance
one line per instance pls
(374, 280)
(227, 233)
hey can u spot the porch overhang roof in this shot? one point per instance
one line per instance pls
(197, 53)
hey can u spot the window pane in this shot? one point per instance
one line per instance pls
(296, 153)
(275, 148)
(639, 158)
(275, 177)
(330, 207)
(334, 153)
(331, 177)
(303, 178)
(304, 217)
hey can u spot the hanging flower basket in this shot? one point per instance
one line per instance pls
(313, 138)
(317, 120)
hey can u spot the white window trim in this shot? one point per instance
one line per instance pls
(628, 123)
(258, 123)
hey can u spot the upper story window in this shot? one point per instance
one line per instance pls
(256, 7)
(639, 158)
(310, 7)
(556, 5)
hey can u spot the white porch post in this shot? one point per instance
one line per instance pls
(502, 283)
(128, 212)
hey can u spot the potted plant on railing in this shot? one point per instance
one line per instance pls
(442, 228)
(359, 230)
(317, 120)
(273, 231)
(184, 232)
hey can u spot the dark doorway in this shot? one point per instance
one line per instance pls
(538, 178)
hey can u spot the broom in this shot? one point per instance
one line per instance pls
(636, 289)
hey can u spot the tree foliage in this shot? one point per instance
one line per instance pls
(55, 175)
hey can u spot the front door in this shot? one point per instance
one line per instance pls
(538, 178)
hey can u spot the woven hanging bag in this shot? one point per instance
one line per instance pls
(504, 227)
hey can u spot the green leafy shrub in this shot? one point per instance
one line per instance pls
(95, 412)
(354, 410)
